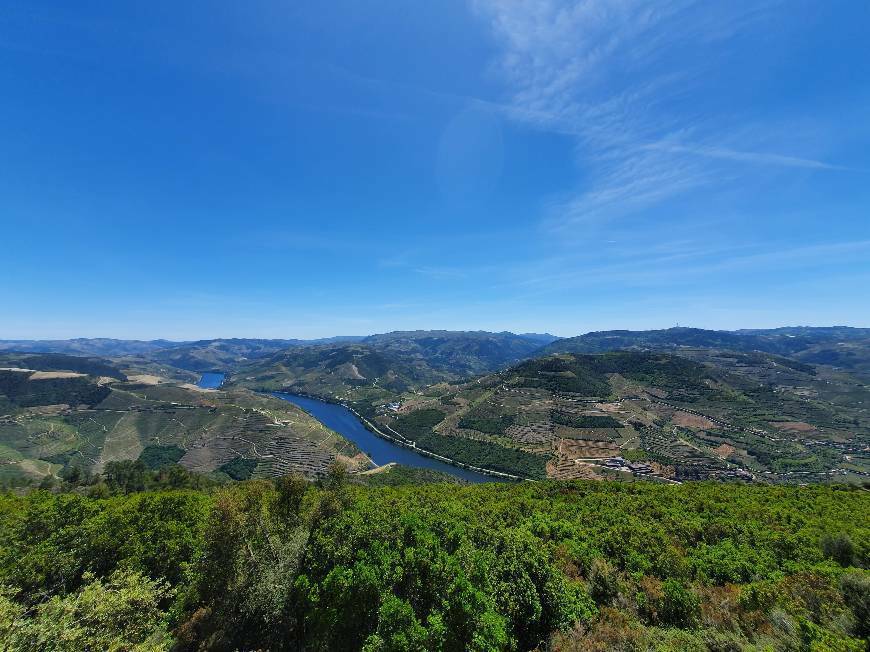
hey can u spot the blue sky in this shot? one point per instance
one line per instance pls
(274, 169)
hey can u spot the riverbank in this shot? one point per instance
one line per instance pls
(347, 420)
(407, 443)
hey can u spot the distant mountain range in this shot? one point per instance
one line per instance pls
(836, 346)
(470, 352)
(388, 363)
(677, 403)
(108, 347)
(460, 351)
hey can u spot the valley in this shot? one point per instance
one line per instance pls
(663, 406)
(59, 425)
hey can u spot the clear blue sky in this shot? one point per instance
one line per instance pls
(301, 169)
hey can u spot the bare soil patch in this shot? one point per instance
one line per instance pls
(47, 375)
(570, 470)
(379, 469)
(146, 379)
(582, 449)
(196, 388)
(798, 426)
(693, 421)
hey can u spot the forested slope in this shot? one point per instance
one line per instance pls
(568, 566)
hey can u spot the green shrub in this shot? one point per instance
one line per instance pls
(679, 606)
(156, 457)
(856, 593)
(239, 468)
(840, 548)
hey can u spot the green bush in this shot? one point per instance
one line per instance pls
(239, 468)
(156, 457)
(679, 606)
(856, 592)
(336, 565)
(840, 548)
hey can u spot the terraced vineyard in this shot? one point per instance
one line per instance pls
(648, 415)
(203, 430)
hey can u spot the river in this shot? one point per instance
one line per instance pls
(381, 451)
(211, 380)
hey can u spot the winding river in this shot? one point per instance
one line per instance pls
(381, 451)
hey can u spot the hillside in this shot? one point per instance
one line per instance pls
(381, 366)
(647, 415)
(339, 371)
(834, 346)
(105, 347)
(535, 566)
(461, 352)
(214, 355)
(93, 366)
(66, 424)
(198, 356)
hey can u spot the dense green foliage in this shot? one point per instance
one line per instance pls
(417, 426)
(587, 374)
(17, 387)
(419, 422)
(156, 457)
(404, 475)
(485, 419)
(583, 566)
(485, 455)
(239, 468)
(571, 374)
(490, 425)
(121, 613)
(128, 476)
(584, 420)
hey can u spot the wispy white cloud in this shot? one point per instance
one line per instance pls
(685, 264)
(761, 158)
(608, 73)
(441, 273)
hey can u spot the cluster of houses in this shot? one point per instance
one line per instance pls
(386, 408)
(637, 468)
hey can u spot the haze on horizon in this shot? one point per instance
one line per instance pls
(217, 169)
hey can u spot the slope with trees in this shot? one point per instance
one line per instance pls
(286, 565)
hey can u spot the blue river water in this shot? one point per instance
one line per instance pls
(211, 380)
(382, 451)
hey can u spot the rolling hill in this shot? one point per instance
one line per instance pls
(461, 352)
(788, 341)
(197, 356)
(106, 347)
(652, 414)
(89, 365)
(380, 366)
(53, 424)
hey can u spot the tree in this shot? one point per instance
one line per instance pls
(840, 548)
(116, 615)
(125, 476)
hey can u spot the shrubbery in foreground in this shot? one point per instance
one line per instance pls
(567, 566)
